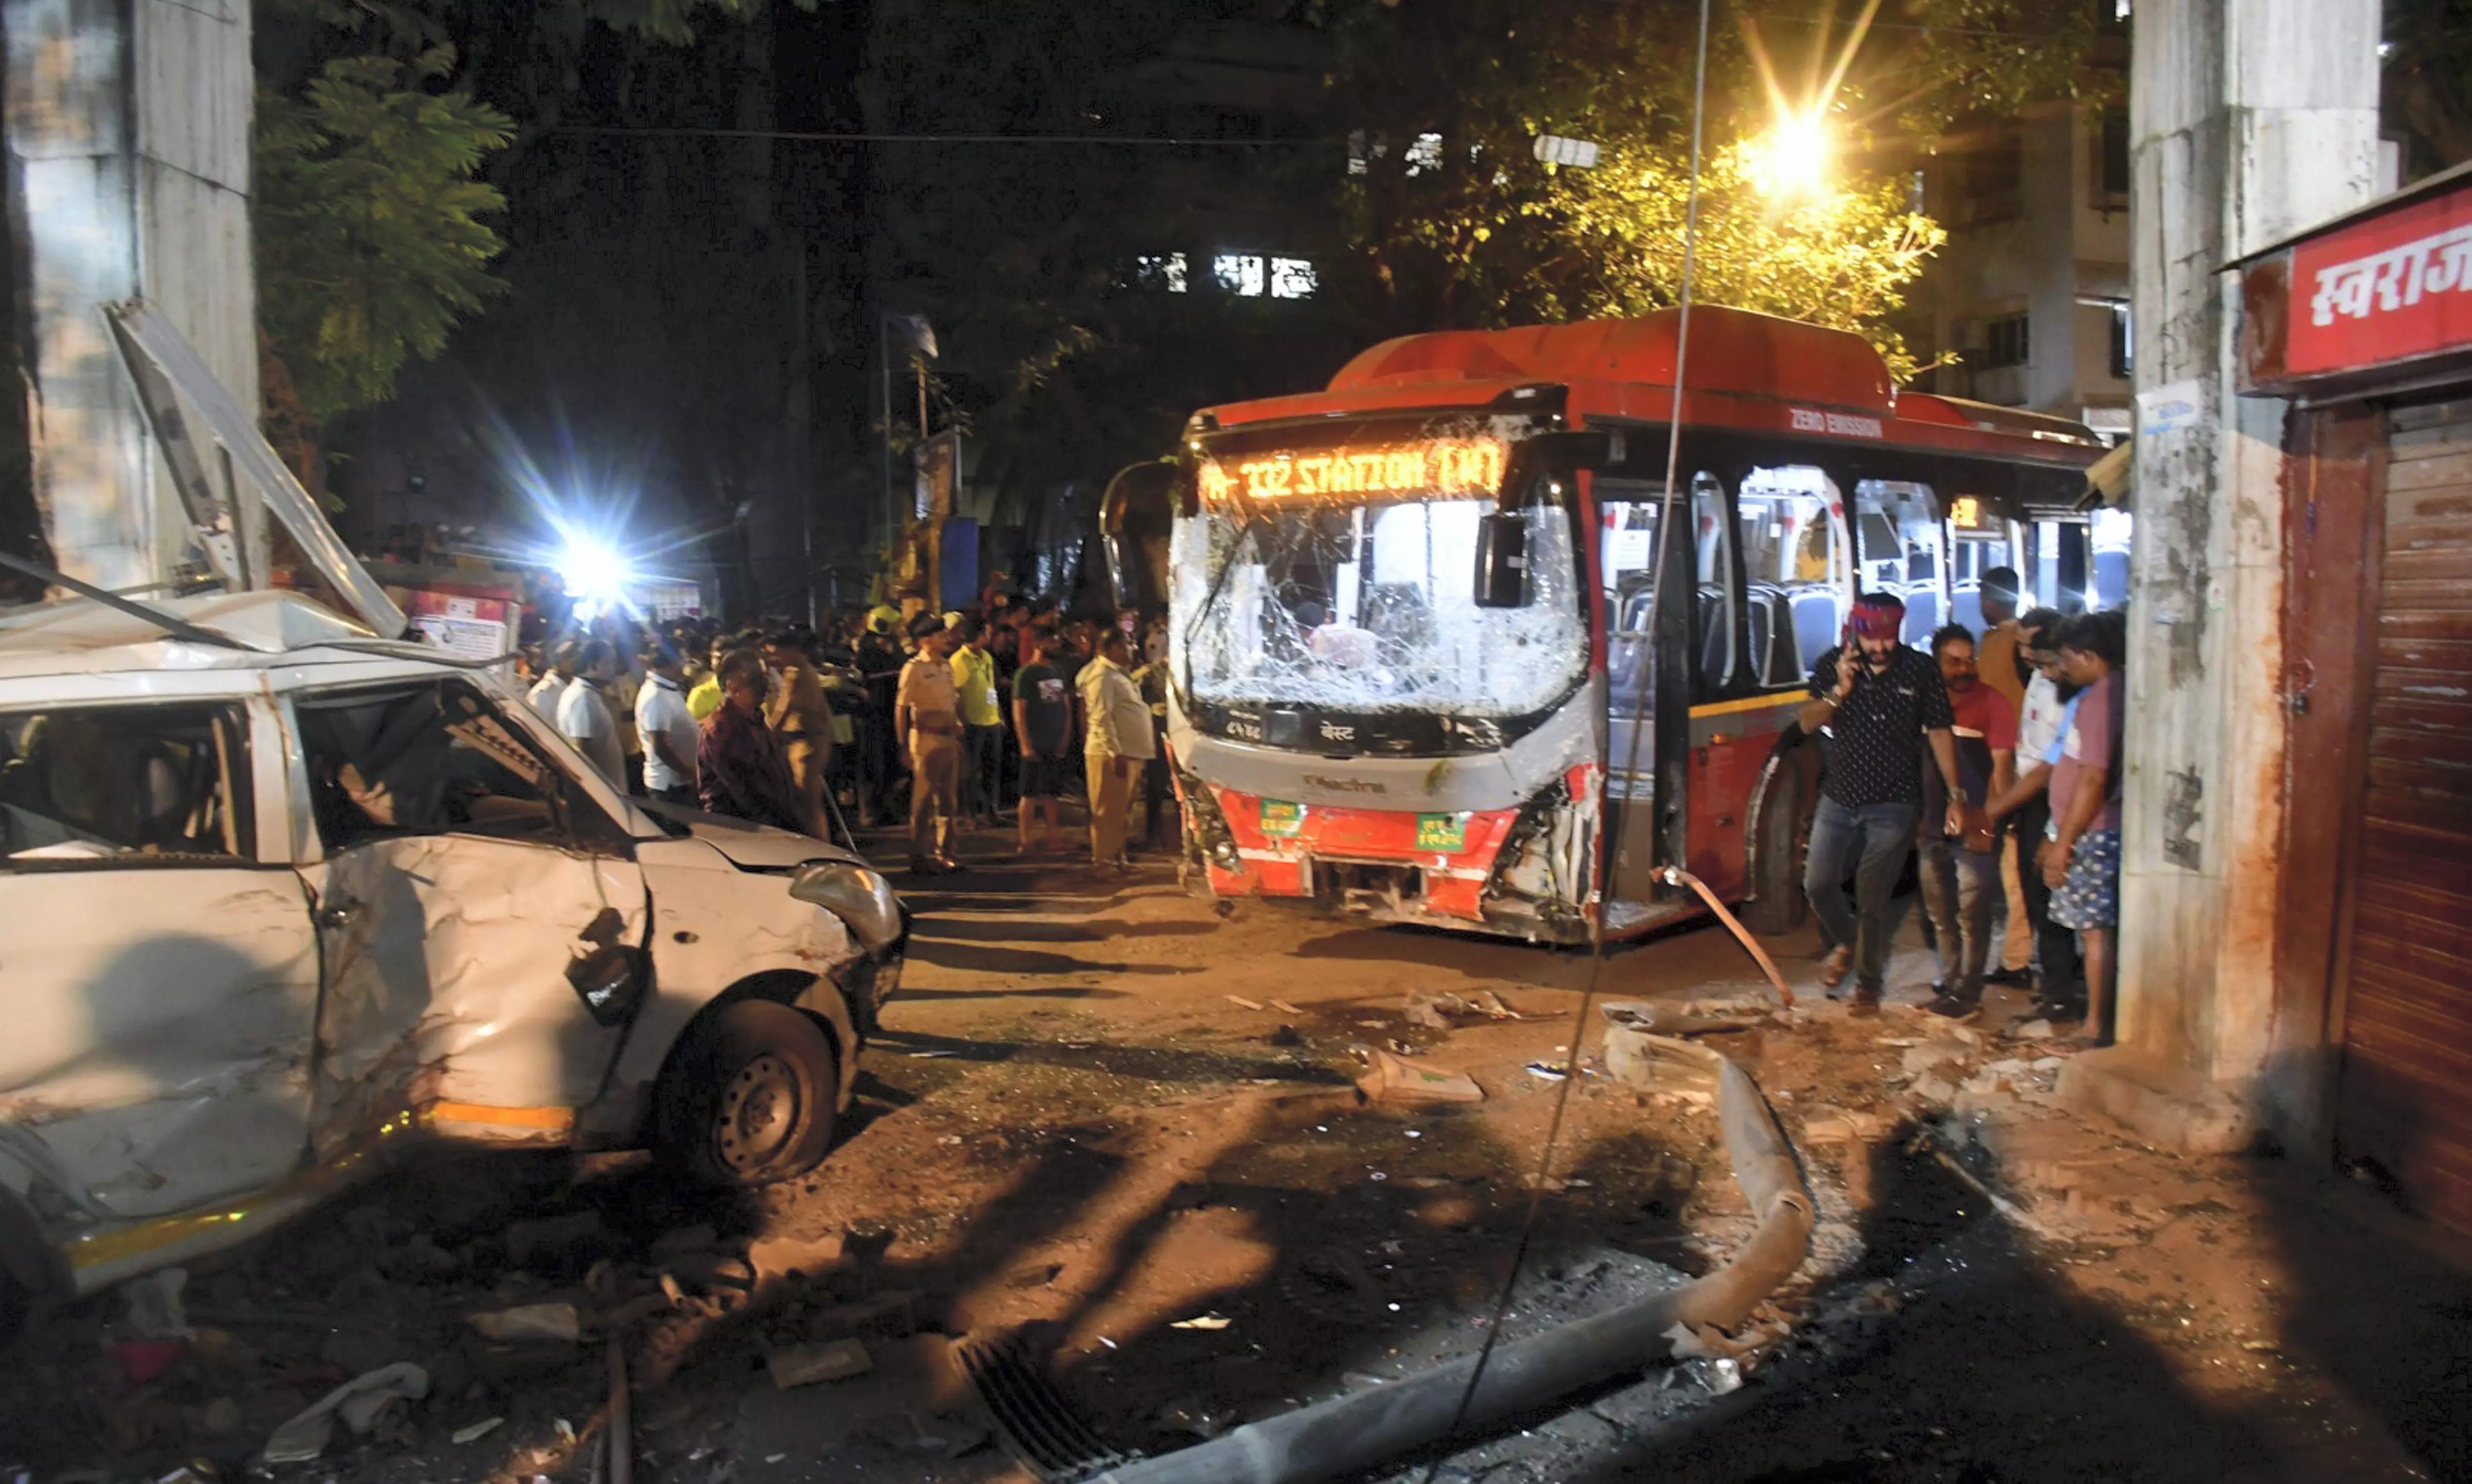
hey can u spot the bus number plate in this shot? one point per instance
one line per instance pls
(1281, 819)
(1442, 832)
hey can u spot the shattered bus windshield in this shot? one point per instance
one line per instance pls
(1370, 607)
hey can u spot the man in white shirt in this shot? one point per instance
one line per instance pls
(543, 698)
(668, 730)
(583, 717)
(1119, 743)
(2059, 974)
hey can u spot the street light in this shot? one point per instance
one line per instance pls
(594, 575)
(1791, 161)
(919, 338)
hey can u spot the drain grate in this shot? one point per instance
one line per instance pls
(1039, 1424)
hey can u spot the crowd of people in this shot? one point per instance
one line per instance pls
(948, 719)
(1992, 764)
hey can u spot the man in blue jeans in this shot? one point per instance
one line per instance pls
(1876, 702)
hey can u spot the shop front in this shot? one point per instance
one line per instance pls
(2365, 324)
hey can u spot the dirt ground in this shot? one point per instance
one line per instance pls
(1111, 1123)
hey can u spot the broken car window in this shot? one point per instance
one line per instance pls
(136, 784)
(425, 760)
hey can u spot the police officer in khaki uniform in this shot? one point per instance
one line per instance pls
(927, 718)
(802, 718)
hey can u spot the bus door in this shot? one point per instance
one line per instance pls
(1650, 675)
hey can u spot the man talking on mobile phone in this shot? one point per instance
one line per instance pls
(1877, 701)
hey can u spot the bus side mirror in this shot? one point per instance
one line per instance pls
(1502, 559)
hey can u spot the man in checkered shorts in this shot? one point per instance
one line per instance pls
(2081, 860)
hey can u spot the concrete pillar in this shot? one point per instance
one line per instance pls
(2250, 120)
(127, 134)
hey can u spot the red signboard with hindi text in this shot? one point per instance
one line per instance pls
(2394, 287)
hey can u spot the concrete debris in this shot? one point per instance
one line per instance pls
(529, 1322)
(476, 1431)
(711, 1271)
(365, 1403)
(1391, 1077)
(1202, 1321)
(153, 1309)
(2031, 1030)
(1441, 1011)
(1243, 1004)
(805, 1365)
(780, 1256)
(1285, 1008)
(1932, 1089)
(1840, 1125)
(1919, 1059)
(1638, 1056)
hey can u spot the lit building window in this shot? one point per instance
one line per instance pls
(1163, 270)
(1293, 278)
(1425, 154)
(1238, 274)
(1360, 152)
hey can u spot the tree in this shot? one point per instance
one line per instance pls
(1453, 225)
(372, 211)
(369, 217)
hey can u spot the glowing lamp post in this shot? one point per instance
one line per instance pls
(595, 576)
(1791, 160)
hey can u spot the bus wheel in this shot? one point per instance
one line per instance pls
(1784, 839)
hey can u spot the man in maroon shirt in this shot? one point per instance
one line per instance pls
(1959, 870)
(742, 772)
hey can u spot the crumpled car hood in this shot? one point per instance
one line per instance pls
(752, 847)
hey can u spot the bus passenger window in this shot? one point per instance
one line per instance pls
(1789, 554)
(1902, 541)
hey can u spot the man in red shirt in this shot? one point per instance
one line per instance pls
(1961, 873)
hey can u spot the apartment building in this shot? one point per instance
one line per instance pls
(2030, 293)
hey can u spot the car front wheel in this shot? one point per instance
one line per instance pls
(752, 1101)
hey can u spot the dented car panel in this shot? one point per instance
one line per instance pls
(446, 982)
(276, 910)
(160, 1034)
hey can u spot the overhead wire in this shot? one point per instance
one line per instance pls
(1539, 1178)
(819, 136)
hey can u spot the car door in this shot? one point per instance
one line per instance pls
(161, 981)
(481, 913)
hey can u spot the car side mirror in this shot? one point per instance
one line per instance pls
(610, 979)
(1501, 560)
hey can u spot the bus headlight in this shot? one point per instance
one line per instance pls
(1210, 829)
(861, 898)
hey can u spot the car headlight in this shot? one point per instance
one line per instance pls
(859, 897)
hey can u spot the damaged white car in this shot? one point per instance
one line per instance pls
(278, 894)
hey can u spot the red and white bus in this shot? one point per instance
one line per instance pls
(1413, 672)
